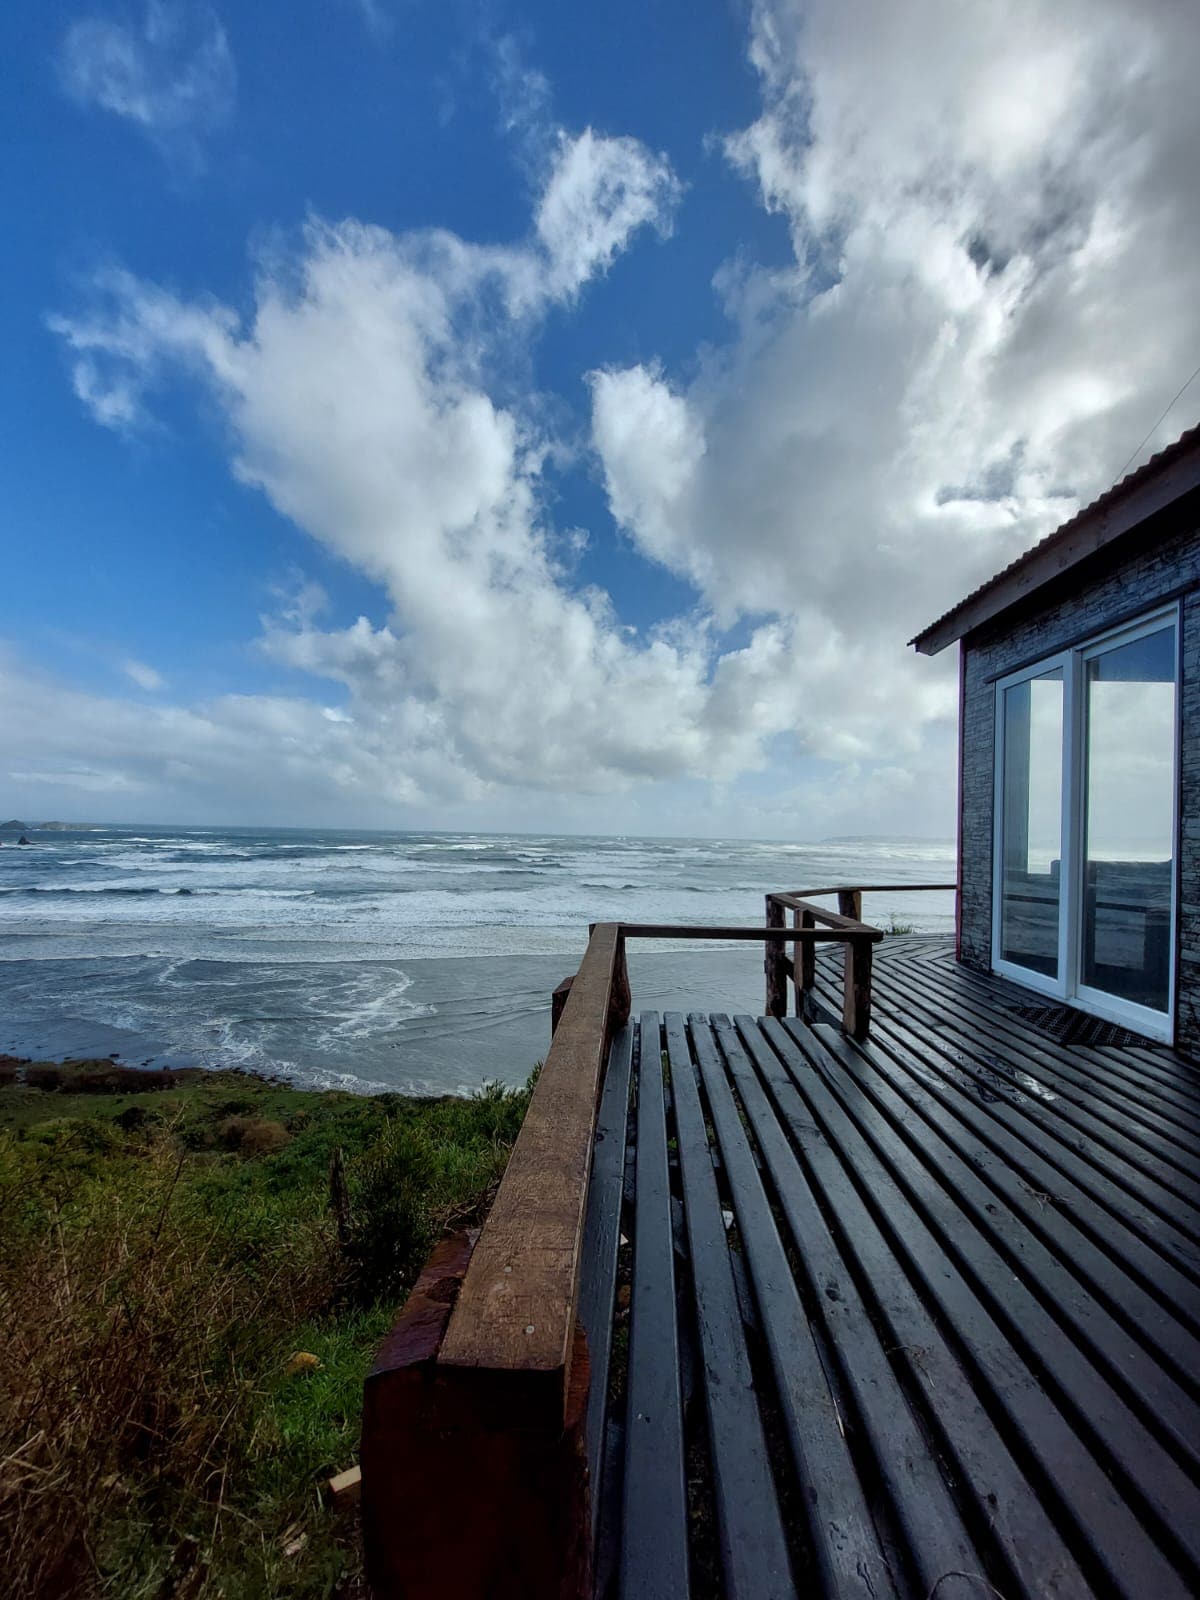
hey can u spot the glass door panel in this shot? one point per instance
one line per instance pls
(1031, 824)
(1129, 827)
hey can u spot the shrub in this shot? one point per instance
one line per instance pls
(253, 1136)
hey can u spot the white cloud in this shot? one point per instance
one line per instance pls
(600, 192)
(144, 676)
(172, 75)
(993, 225)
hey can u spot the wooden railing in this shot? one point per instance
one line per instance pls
(474, 1479)
(859, 938)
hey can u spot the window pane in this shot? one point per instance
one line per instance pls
(1031, 823)
(1129, 820)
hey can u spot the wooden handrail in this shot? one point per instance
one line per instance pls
(856, 1002)
(474, 1467)
(837, 931)
(517, 1306)
(872, 888)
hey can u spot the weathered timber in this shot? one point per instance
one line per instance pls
(654, 1554)
(754, 1555)
(516, 1312)
(805, 956)
(776, 996)
(856, 986)
(835, 931)
(850, 903)
(397, 1397)
(602, 1235)
(558, 1003)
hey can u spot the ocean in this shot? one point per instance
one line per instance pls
(417, 962)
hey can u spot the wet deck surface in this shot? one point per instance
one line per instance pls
(919, 1318)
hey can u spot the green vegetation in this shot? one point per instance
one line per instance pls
(899, 927)
(165, 1252)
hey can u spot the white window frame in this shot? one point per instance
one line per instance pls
(1066, 986)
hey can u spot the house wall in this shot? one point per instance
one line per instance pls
(1151, 569)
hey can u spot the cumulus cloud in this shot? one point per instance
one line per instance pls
(992, 222)
(171, 74)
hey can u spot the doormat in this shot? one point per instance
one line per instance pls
(1069, 1026)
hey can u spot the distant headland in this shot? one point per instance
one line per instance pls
(13, 826)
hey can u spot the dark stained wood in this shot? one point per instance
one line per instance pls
(601, 1237)
(836, 931)
(824, 917)
(856, 988)
(804, 959)
(914, 1316)
(870, 888)
(850, 903)
(619, 998)
(754, 1555)
(654, 1545)
(516, 1312)
(842, 1536)
(558, 1003)
(776, 975)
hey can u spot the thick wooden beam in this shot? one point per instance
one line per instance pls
(856, 1003)
(516, 1312)
(396, 1396)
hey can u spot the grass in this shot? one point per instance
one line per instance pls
(165, 1253)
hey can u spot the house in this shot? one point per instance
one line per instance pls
(1079, 764)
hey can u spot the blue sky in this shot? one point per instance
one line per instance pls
(487, 415)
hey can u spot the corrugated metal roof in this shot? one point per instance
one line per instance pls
(1098, 507)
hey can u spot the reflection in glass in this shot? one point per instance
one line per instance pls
(1031, 823)
(1129, 820)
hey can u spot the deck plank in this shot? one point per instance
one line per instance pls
(968, 1258)
(754, 1553)
(1066, 1071)
(654, 1556)
(1052, 1401)
(602, 1237)
(844, 1541)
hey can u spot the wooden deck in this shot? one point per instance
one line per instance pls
(916, 1318)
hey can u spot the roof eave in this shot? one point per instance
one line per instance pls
(1119, 512)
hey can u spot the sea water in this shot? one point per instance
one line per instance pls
(382, 961)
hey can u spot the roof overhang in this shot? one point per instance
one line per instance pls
(1166, 479)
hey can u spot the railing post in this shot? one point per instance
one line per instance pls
(856, 1006)
(558, 1003)
(775, 962)
(805, 963)
(850, 903)
(620, 1001)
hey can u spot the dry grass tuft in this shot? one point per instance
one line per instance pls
(129, 1325)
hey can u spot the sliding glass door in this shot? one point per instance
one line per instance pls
(1031, 829)
(1086, 787)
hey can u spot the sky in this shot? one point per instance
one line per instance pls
(494, 415)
